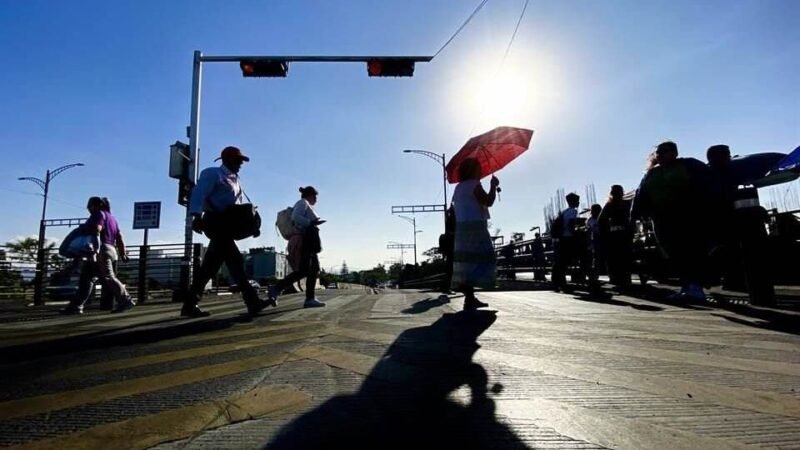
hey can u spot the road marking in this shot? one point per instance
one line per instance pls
(104, 392)
(147, 431)
(159, 358)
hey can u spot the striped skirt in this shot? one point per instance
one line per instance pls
(474, 258)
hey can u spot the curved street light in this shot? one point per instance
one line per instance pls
(441, 160)
(40, 266)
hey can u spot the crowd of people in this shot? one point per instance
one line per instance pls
(683, 198)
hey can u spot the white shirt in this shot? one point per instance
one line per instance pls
(303, 214)
(569, 216)
(217, 188)
(467, 207)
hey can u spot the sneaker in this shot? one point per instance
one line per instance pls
(71, 311)
(313, 303)
(272, 295)
(694, 292)
(471, 305)
(124, 305)
(256, 306)
(193, 311)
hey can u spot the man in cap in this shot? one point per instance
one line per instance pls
(217, 189)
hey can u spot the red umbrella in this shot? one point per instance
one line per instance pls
(493, 150)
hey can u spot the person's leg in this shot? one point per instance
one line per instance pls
(235, 263)
(110, 281)
(470, 301)
(311, 281)
(212, 261)
(85, 288)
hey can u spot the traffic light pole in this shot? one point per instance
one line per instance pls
(393, 67)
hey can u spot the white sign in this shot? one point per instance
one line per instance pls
(146, 215)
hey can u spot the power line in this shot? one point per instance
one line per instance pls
(462, 27)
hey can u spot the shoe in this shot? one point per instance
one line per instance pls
(71, 311)
(313, 303)
(272, 294)
(694, 292)
(256, 306)
(471, 305)
(193, 311)
(124, 305)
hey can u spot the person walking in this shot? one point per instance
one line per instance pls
(304, 248)
(474, 261)
(678, 195)
(617, 233)
(565, 242)
(104, 231)
(218, 188)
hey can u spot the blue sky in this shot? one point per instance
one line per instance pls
(600, 82)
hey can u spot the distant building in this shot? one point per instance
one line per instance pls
(265, 262)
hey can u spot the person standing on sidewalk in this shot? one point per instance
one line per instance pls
(617, 232)
(217, 189)
(474, 258)
(304, 248)
(565, 243)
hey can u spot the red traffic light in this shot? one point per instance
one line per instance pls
(390, 67)
(264, 68)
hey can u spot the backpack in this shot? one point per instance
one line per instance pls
(284, 223)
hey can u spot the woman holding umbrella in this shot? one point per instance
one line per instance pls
(474, 256)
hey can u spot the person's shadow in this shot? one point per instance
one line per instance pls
(404, 402)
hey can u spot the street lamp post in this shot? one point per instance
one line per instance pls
(441, 160)
(413, 222)
(41, 267)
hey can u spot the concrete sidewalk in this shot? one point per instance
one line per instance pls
(405, 369)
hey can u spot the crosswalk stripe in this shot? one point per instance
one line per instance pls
(95, 394)
(147, 431)
(166, 357)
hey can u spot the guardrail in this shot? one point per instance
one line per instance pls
(151, 270)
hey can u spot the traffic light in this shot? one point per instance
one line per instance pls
(264, 68)
(390, 67)
(184, 191)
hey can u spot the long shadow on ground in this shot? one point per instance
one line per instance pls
(404, 404)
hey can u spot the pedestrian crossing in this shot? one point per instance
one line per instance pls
(580, 370)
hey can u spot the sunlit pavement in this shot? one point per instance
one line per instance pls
(403, 369)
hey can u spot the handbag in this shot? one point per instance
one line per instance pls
(238, 221)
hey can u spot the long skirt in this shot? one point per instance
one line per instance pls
(474, 262)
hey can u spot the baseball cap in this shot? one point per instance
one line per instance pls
(232, 152)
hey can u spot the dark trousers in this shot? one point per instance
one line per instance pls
(309, 269)
(85, 283)
(619, 257)
(565, 253)
(221, 250)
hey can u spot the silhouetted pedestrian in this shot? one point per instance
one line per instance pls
(617, 234)
(304, 247)
(217, 190)
(474, 256)
(566, 248)
(677, 195)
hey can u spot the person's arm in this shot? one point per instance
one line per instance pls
(120, 244)
(484, 198)
(640, 208)
(205, 184)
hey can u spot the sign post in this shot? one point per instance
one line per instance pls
(146, 215)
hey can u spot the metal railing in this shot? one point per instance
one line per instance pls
(150, 271)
